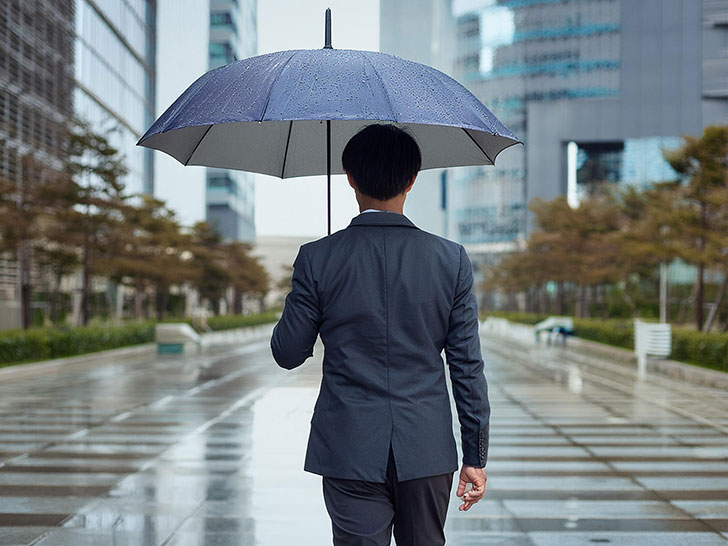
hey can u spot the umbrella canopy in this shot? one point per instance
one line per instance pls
(266, 114)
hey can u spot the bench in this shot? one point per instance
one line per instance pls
(650, 338)
(171, 337)
(559, 326)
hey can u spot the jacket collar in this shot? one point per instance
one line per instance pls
(381, 219)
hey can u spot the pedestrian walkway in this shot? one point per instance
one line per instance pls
(584, 453)
(208, 450)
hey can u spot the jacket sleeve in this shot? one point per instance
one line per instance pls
(295, 333)
(465, 363)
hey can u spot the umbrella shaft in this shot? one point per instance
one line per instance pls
(328, 170)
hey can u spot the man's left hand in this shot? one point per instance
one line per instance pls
(475, 476)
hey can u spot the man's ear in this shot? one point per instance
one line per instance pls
(351, 182)
(412, 183)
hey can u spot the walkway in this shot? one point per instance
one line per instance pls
(208, 450)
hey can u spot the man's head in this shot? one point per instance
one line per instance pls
(383, 161)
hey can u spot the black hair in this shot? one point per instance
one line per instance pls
(382, 159)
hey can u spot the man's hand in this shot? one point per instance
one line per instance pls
(475, 476)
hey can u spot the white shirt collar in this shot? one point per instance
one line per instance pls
(374, 210)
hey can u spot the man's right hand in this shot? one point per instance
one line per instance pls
(475, 476)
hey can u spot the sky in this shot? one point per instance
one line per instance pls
(297, 206)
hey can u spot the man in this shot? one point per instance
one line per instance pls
(387, 298)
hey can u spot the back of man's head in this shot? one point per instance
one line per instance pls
(382, 159)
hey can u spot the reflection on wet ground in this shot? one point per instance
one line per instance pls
(208, 450)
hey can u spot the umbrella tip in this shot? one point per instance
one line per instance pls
(327, 31)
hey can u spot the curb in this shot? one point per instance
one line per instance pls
(672, 369)
(21, 371)
(664, 367)
(30, 369)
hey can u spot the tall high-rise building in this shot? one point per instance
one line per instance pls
(231, 194)
(92, 58)
(183, 36)
(36, 80)
(422, 32)
(595, 88)
(115, 77)
(36, 87)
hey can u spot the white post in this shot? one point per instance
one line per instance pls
(120, 291)
(641, 365)
(640, 348)
(663, 292)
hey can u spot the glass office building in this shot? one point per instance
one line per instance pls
(36, 86)
(36, 80)
(115, 78)
(230, 195)
(424, 33)
(595, 88)
(512, 54)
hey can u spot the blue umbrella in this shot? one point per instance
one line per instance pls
(290, 113)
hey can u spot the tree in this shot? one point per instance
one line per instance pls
(247, 275)
(25, 206)
(702, 162)
(151, 247)
(95, 202)
(578, 245)
(652, 235)
(208, 263)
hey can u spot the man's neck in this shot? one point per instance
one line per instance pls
(393, 205)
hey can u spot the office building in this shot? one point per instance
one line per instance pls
(36, 81)
(115, 62)
(91, 58)
(595, 88)
(36, 86)
(182, 57)
(230, 195)
(424, 34)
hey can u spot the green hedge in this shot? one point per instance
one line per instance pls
(45, 343)
(18, 346)
(709, 350)
(619, 332)
(227, 322)
(514, 316)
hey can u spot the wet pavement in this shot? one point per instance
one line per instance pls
(208, 450)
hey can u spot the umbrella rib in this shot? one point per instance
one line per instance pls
(381, 84)
(187, 162)
(267, 100)
(288, 141)
(479, 146)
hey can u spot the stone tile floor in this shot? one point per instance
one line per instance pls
(208, 450)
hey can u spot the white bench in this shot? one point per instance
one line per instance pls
(554, 326)
(650, 338)
(171, 337)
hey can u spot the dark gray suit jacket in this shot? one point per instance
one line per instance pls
(387, 298)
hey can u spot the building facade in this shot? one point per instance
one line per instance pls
(230, 195)
(36, 80)
(115, 63)
(182, 33)
(59, 58)
(36, 103)
(595, 88)
(424, 34)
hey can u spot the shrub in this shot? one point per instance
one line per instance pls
(226, 322)
(709, 350)
(45, 343)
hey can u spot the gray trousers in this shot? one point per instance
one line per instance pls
(365, 513)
